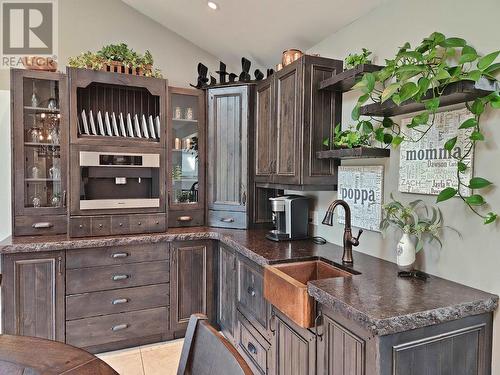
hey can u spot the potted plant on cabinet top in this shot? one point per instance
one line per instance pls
(354, 59)
(417, 221)
(118, 58)
(349, 138)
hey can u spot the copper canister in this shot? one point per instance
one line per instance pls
(290, 55)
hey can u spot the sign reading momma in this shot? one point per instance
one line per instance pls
(361, 188)
(425, 167)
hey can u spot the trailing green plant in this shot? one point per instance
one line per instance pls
(355, 59)
(415, 218)
(422, 74)
(116, 53)
(349, 138)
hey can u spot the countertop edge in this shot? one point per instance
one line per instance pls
(402, 323)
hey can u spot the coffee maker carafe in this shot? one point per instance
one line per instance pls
(290, 218)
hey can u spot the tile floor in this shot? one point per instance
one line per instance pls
(155, 359)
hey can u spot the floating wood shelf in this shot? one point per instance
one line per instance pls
(354, 153)
(455, 93)
(344, 81)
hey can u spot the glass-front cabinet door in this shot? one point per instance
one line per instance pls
(39, 125)
(186, 156)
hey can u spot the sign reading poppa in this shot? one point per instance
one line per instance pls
(362, 189)
(425, 167)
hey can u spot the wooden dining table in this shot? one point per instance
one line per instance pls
(23, 355)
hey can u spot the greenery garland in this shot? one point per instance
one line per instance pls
(431, 67)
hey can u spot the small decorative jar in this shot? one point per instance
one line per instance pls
(189, 113)
(178, 113)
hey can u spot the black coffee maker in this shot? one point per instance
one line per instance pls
(290, 218)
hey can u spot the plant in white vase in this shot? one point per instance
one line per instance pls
(417, 221)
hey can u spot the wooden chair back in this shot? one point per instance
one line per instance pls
(207, 352)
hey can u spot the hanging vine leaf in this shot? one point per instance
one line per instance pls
(469, 123)
(450, 143)
(475, 200)
(478, 183)
(476, 136)
(490, 217)
(446, 194)
(485, 61)
(462, 167)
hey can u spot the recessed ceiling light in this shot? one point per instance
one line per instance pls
(212, 5)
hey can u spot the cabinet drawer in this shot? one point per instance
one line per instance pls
(80, 227)
(40, 225)
(116, 301)
(254, 348)
(116, 327)
(147, 223)
(101, 226)
(185, 218)
(104, 256)
(92, 279)
(250, 296)
(227, 219)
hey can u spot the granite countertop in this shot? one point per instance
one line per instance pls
(376, 298)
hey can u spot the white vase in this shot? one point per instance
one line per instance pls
(405, 253)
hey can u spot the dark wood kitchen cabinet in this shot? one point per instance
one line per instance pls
(40, 137)
(292, 119)
(186, 157)
(230, 187)
(33, 294)
(293, 347)
(192, 286)
(226, 309)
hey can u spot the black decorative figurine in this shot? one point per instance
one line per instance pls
(245, 66)
(232, 77)
(258, 75)
(202, 77)
(270, 72)
(222, 72)
(213, 81)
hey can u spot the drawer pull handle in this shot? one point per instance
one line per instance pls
(119, 327)
(184, 218)
(120, 277)
(251, 348)
(251, 291)
(227, 220)
(43, 225)
(119, 255)
(119, 301)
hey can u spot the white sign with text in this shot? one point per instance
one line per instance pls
(362, 189)
(425, 167)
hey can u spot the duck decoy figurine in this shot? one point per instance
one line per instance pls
(232, 77)
(222, 72)
(270, 72)
(202, 77)
(245, 66)
(258, 75)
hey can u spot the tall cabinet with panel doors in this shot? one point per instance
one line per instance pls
(233, 200)
(292, 119)
(39, 152)
(186, 157)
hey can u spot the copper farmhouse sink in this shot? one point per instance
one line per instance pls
(285, 286)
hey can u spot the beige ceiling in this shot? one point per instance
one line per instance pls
(258, 29)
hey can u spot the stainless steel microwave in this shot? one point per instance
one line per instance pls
(119, 180)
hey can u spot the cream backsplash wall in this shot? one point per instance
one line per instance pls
(90, 24)
(475, 258)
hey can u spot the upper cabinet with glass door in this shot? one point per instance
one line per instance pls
(186, 156)
(39, 125)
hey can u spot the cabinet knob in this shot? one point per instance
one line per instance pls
(121, 224)
(139, 223)
(251, 291)
(251, 348)
(100, 225)
(80, 226)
